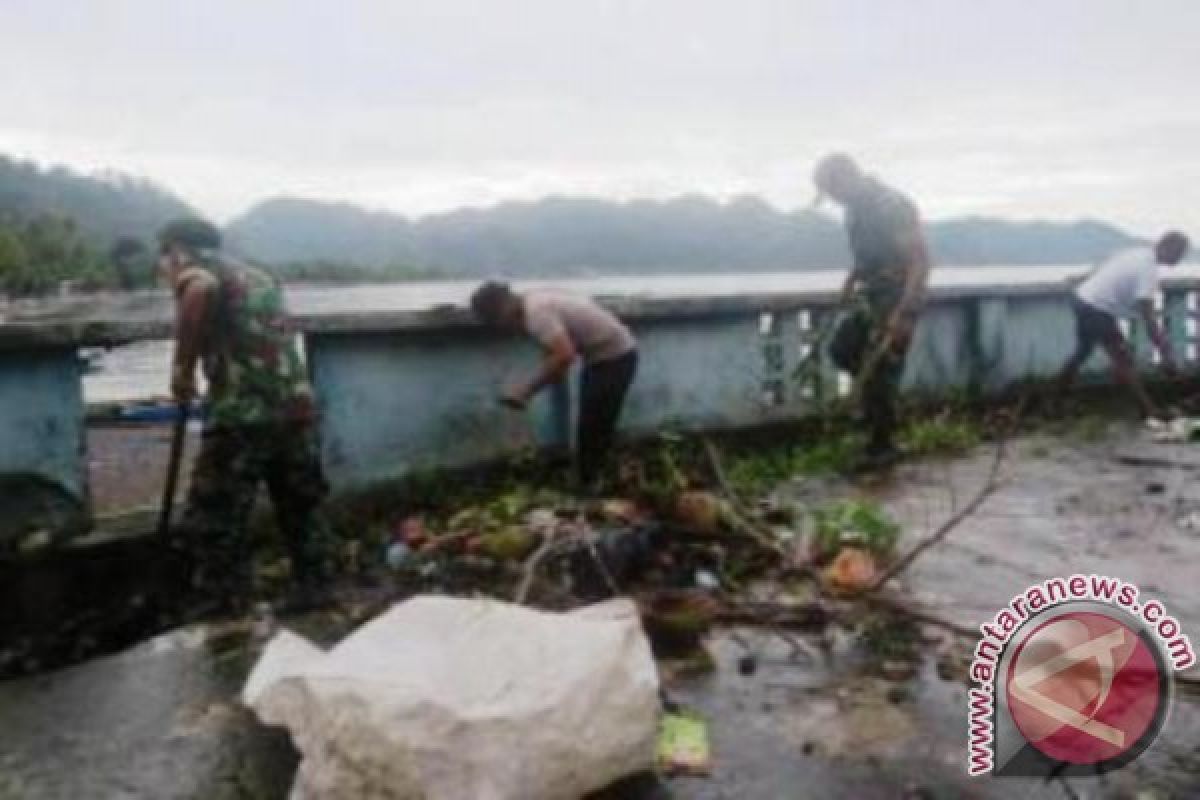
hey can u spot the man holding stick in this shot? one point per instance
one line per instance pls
(888, 279)
(231, 320)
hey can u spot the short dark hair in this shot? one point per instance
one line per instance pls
(489, 300)
(834, 167)
(190, 233)
(1174, 240)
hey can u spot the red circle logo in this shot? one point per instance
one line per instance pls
(1084, 688)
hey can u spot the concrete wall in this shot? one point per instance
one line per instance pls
(395, 402)
(41, 417)
(416, 390)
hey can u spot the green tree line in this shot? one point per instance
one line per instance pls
(39, 253)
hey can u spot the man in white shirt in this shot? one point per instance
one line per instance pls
(1122, 285)
(569, 326)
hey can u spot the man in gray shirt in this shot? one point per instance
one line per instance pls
(568, 326)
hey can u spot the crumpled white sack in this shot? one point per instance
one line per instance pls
(446, 698)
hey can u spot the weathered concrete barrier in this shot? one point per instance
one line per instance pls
(403, 391)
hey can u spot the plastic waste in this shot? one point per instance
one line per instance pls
(397, 554)
(1178, 429)
(683, 745)
(611, 558)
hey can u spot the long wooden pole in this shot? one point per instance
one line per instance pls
(178, 432)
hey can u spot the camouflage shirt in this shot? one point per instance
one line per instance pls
(881, 224)
(253, 367)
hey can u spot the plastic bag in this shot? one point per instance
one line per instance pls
(452, 699)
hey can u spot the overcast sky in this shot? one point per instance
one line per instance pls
(1053, 108)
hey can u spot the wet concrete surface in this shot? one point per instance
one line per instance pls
(127, 465)
(158, 721)
(162, 719)
(1068, 505)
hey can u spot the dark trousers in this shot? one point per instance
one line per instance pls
(225, 480)
(602, 389)
(852, 343)
(1093, 327)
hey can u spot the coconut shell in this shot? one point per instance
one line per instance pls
(699, 511)
(510, 544)
(853, 570)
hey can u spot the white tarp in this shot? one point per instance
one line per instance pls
(453, 699)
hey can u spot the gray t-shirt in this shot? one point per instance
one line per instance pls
(596, 334)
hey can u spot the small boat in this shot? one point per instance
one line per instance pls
(157, 412)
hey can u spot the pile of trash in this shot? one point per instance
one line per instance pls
(552, 551)
(528, 659)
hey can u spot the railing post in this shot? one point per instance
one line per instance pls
(1175, 319)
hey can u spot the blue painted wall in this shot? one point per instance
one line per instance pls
(404, 401)
(423, 395)
(41, 417)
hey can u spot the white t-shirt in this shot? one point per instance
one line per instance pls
(1121, 281)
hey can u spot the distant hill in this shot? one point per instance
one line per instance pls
(97, 230)
(972, 241)
(579, 236)
(103, 207)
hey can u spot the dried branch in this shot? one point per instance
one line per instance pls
(737, 516)
(898, 606)
(990, 486)
(1147, 461)
(530, 567)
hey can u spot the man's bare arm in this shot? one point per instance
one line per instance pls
(559, 356)
(916, 276)
(848, 287)
(912, 294)
(192, 310)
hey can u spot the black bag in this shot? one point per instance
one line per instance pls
(848, 345)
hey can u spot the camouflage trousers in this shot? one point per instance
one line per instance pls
(882, 384)
(232, 463)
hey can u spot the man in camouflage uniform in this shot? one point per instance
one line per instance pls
(888, 279)
(231, 320)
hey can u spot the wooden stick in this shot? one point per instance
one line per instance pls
(989, 487)
(529, 568)
(744, 525)
(178, 433)
(895, 604)
(1147, 461)
(944, 530)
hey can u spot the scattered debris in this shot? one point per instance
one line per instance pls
(683, 745)
(1175, 430)
(1189, 521)
(676, 621)
(701, 512)
(852, 571)
(852, 524)
(397, 554)
(1133, 460)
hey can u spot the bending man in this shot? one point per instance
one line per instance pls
(568, 326)
(1123, 284)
